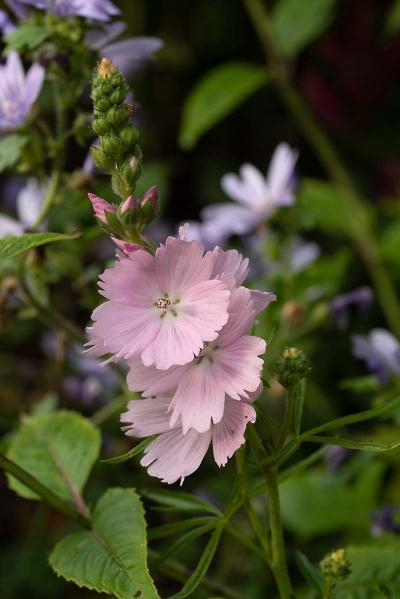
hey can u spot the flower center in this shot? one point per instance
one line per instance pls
(166, 305)
(163, 303)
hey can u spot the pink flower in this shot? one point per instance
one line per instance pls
(163, 308)
(228, 366)
(174, 455)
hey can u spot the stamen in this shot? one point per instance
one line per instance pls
(163, 303)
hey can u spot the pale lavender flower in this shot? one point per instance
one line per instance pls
(360, 298)
(381, 352)
(99, 10)
(18, 91)
(29, 203)
(20, 11)
(336, 456)
(258, 196)
(129, 54)
(302, 254)
(383, 522)
(208, 234)
(6, 25)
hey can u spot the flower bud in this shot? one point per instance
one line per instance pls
(112, 145)
(100, 125)
(151, 197)
(100, 206)
(129, 136)
(116, 115)
(118, 96)
(106, 68)
(102, 104)
(292, 366)
(129, 204)
(336, 565)
(101, 159)
(106, 88)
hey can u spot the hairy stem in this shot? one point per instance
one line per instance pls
(360, 229)
(278, 563)
(59, 150)
(288, 418)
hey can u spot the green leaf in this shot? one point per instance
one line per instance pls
(351, 444)
(112, 558)
(322, 206)
(392, 24)
(362, 384)
(296, 23)
(352, 418)
(202, 567)
(12, 246)
(131, 453)
(183, 540)
(302, 465)
(166, 530)
(180, 502)
(375, 571)
(311, 574)
(58, 449)
(27, 36)
(217, 94)
(316, 503)
(11, 147)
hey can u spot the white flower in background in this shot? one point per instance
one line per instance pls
(257, 196)
(29, 203)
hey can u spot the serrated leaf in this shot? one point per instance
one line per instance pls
(180, 502)
(296, 23)
(11, 147)
(26, 36)
(12, 246)
(375, 571)
(58, 449)
(216, 95)
(112, 558)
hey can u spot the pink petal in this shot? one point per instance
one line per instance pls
(241, 316)
(121, 282)
(145, 417)
(100, 206)
(230, 263)
(173, 456)
(150, 380)
(261, 299)
(199, 398)
(228, 435)
(180, 264)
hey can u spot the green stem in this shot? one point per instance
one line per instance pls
(46, 494)
(288, 418)
(59, 149)
(360, 230)
(254, 521)
(278, 564)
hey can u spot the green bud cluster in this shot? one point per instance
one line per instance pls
(336, 565)
(118, 152)
(292, 366)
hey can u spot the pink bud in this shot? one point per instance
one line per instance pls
(100, 206)
(130, 203)
(134, 163)
(127, 247)
(151, 195)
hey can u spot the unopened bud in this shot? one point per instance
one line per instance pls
(112, 145)
(106, 68)
(102, 104)
(116, 115)
(151, 197)
(292, 366)
(100, 207)
(336, 565)
(129, 204)
(100, 125)
(129, 136)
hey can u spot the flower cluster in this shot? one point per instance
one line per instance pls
(180, 318)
